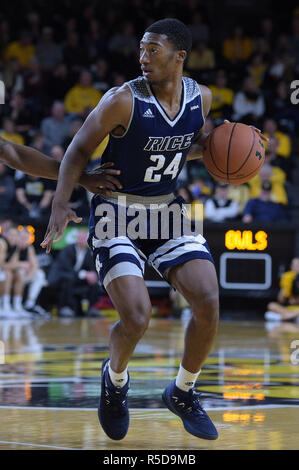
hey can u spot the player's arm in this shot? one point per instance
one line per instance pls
(112, 112)
(196, 149)
(33, 162)
(28, 160)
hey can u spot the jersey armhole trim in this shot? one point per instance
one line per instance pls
(131, 116)
(200, 94)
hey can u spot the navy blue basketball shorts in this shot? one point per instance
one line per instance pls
(127, 231)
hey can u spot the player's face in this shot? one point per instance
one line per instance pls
(158, 58)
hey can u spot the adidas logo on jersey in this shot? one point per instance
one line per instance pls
(194, 107)
(148, 113)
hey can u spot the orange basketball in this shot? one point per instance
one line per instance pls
(234, 153)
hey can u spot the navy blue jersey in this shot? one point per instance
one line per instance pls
(152, 151)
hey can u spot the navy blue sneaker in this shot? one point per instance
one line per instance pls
(186, 405)
(113, 409)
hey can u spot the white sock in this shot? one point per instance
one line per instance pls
(186, 380)
(119, 379)
(6, 302)
(17, 302)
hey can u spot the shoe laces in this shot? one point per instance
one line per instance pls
(116, 399)
(191, 404)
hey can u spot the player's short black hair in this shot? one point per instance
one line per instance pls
(177, 33)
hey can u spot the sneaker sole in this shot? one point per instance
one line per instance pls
(200, 435)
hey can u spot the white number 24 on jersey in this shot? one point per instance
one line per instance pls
(151, 175)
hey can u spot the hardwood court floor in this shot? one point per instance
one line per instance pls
(49, 386)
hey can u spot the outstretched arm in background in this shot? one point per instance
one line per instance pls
(33, 162)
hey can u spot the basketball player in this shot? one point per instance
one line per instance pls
(154, 122)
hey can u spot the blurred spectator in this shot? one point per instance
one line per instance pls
(275, 71)
(33, 19)
(57, 127)
(12, 274)
(262, 209)
(74, 54)
(180, 306)
(122, 49)
(284, 142)
(257, 68)
(238, 48)
(199, 30)
(23, 49)
(283, 50)
(279, 107)
(275, 160)
(74, 127)
(101, 75)
(124, 42)
(96, 41)
(286, 282)
(21, 114)
(35, 86)
(74, 275)
(4, 33)
(82, 96)
(287, 305)
(118, 79)
(248, 103)
(201, 58)
(48, 53)
(78, 201)
(12, 77)
(60, 83)
(267, 32)
(295, 42)
(276, 176)
(222, 97)
(7, 192)
(71, 25)
(239, 193)
(220, 208)
(38, 142)
(9, 133)
(200, 188)
(34, 196)
(33, 278)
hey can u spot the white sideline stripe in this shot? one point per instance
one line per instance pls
(38, 445)
(217, 408)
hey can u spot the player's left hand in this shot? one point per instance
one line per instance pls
(102, 180)
(262, 136)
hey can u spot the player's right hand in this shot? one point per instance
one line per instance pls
(59, 219)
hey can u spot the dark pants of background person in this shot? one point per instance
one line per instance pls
(71, 291)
